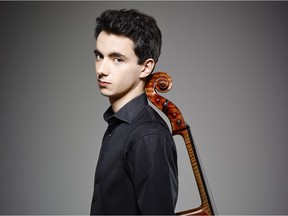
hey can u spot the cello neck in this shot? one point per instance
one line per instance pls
(162, 82)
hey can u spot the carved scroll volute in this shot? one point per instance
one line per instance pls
(162, 82)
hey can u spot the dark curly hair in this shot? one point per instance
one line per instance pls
(142, 29)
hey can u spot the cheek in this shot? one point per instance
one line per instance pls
(96, 67)
(127, 79)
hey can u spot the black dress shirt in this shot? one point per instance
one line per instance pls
(136, 171)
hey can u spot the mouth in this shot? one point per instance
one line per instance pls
(103, 83)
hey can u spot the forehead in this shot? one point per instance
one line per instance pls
(108, 43)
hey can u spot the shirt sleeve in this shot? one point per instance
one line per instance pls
(152, 164)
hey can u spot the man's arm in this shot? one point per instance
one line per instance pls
(152, 163)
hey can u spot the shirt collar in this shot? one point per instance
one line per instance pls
(128, 112)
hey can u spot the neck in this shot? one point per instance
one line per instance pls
(118, 103)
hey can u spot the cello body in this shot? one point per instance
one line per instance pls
(162, 82)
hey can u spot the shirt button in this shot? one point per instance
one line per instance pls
(97, 181)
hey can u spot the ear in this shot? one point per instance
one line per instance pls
(148, 67)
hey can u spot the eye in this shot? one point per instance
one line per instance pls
(118, 60)
(98, 55)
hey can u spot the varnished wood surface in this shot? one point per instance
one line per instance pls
(162, 82)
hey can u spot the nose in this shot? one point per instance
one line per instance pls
(101, 68)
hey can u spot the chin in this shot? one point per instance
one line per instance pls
(105, 95)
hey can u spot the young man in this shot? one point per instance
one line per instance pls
(137, 166)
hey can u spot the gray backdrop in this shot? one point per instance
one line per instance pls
(229, 64)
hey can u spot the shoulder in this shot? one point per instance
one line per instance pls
(148, 120)
(149, 125)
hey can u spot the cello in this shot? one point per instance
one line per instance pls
(162, 82)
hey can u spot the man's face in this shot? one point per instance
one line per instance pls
(117, 68)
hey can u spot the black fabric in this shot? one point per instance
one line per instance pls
(136, 171)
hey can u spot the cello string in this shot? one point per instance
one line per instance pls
(207, 183)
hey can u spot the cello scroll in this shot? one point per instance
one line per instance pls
(162, 82)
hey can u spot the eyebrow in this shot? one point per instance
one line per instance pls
(111, 55)
(96, 52)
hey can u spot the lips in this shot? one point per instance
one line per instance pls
(103, 83)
